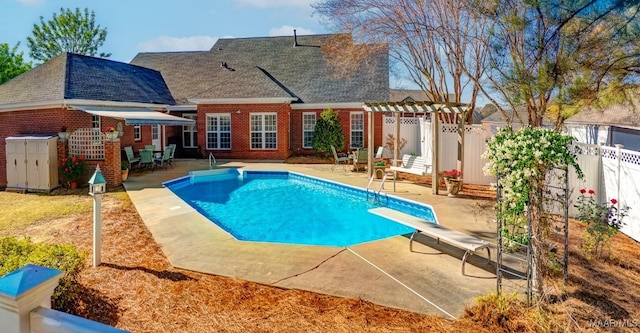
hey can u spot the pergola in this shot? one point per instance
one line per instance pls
(398, 108)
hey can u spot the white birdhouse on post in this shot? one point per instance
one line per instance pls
(97, 187)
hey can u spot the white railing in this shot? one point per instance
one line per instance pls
(88, 142)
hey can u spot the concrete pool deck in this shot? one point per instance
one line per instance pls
(384, 272)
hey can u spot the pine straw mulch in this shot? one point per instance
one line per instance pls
(137, 289)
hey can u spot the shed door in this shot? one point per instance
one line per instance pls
(37, 164)
(16, 164)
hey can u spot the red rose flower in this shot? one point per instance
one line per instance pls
(614, 201)
(583, 191)
(592, 192)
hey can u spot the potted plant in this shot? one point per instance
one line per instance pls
(124, 170)
(72, 169)
(453, 180)
(63, 134)
(111, 133)
(378, 168)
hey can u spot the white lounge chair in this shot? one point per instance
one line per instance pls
(468, 243)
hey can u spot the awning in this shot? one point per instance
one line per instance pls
(136, 116)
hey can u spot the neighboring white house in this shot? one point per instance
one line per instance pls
(617, 124)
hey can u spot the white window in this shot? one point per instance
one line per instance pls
(95, 122)
(190, 132)
(219, 131)
(357, 130)
(95, 125)
(136, 133)
(308, 128)
(264, 131)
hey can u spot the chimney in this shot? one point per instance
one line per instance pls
(295, 38)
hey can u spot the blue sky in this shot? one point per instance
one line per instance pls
(163, 25)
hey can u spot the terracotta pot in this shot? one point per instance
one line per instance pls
(125, 174)
(454, 186)
(73, 185)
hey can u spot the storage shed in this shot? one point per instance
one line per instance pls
(32, 162)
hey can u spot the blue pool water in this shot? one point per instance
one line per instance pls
(286, 207)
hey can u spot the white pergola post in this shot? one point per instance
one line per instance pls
(418, 107)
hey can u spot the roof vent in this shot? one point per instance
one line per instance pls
(295, 38)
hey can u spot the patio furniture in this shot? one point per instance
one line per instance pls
(360, 159)
(173, 151)
(131, 157)
(163, 160)
(379, 152)
(150, 147)
(146, 159)
(417, 165)
(344, 160)
(461, 240)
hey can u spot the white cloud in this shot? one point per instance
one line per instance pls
(276, 3)
(30, 2)
(287, 30)
(166, 43)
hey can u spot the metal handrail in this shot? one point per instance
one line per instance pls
(212, 161)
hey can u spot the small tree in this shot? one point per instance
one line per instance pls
(11, 63)
(69, 31)
(328, 132)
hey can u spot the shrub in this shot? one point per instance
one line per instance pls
(15, 253)
(602, 221)
(328, 132)
(72, 167)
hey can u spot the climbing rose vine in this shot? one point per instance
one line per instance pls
(521, 158)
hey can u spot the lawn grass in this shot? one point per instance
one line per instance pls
(20, 210)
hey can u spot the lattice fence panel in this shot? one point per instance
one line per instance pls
(88, 142)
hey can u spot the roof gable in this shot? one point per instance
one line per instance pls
(267, 67)
(74, 76)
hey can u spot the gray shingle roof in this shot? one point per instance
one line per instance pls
(267, 67)
(620, 115)
(498, 118)
(73, 76)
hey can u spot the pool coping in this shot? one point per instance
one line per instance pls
(383, 271)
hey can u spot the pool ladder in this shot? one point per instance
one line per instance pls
(376, 194)
(212, 161)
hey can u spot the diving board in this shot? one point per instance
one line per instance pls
(468, 243)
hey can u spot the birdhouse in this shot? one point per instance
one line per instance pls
(97, 183)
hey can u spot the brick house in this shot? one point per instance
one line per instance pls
(259, 98)
(71, 90)
(250, 98)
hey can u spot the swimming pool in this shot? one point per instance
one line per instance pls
(287, 207)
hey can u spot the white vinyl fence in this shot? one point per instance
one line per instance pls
(417, 132)
(613, 173)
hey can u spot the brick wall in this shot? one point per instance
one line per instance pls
(240, 130)
(345, 122)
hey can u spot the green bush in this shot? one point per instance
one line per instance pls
(15, 253)
(327, 133)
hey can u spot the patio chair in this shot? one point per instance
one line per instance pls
(146, 159)
(344, 160)
(173, 151)
(379, 152)
(360, 159)
(163, 160)
(130, 157)
(150, 147)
